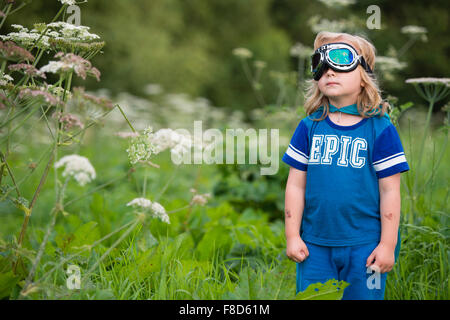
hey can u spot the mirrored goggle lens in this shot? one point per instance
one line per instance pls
(341, 56)
(315, 61)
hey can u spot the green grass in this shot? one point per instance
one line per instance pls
(210, 252)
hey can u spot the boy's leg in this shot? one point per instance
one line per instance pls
(317, 267)
(364, 284)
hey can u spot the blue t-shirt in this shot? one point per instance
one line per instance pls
(343, 164)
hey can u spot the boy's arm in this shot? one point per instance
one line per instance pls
(390, 200)
(296, 249)
(294, 202)
(390, 203)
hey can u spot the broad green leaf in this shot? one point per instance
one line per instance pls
(330, 290)
(215, 239)
(7, 282)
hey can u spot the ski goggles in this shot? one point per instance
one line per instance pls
(338, 56)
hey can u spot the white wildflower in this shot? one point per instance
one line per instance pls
(337, 3)
(155, 209)
(445, 81)
(147, 144)
(416, 31)
(242, 53)
(70, 61)
(78, 167)
(160, 212)
(140, 202)
(5, 78)
(55, 67)
(141, 147)
(387, 65)
(200, 199)
(301, 51)
(413, 30)
(343, 25)
(19, 27)
(72, 32)
(27, 38)
(69, 2)
(153, 89)
(260, 64)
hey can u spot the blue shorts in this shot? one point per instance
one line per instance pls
(342, 263)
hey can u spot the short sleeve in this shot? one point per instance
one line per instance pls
(388, 156)
(296, 154)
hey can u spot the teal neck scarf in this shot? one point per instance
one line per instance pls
(350, 109)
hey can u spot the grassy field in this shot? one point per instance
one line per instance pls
(222, 250)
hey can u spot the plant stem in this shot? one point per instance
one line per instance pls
(56, 209)
(33, 201)
(6, 15)
(132, 128)
(249, 76)
(422, 144)
(115, 244)
(145, 181)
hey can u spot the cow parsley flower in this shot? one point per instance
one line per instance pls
(200, 199)
(70, 61)
(243, 53)
(71, 32)
(141, 147)
(77, 167)
(39, 93)
(140, 203)
(155, 209)
(5, 79)
(69, 2)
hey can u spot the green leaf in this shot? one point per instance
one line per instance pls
(83, 236)
(330, 290)
(215, 239)
(146, 263)
(7, 282)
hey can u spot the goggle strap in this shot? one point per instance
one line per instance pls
(365, 65)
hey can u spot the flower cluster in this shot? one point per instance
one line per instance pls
(144, 146)
(301, 51)
(154, 208)
(415, 31)
(70, 32)
(141, 147)
(55, 31)
(388, 65)
(317, 24)
(69, 2)
(3, 100)
(68, 120)
(242, 53)
(11, 51)
(82, 96)
(200, 199)
(41, 93)
(27, 69)
(70, 61)
(5, 79)
(77, 167)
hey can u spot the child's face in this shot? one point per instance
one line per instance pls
(334, 84)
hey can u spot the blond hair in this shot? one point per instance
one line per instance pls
(369, 101)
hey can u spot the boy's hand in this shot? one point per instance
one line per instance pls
(384, 258)
(296, 249)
